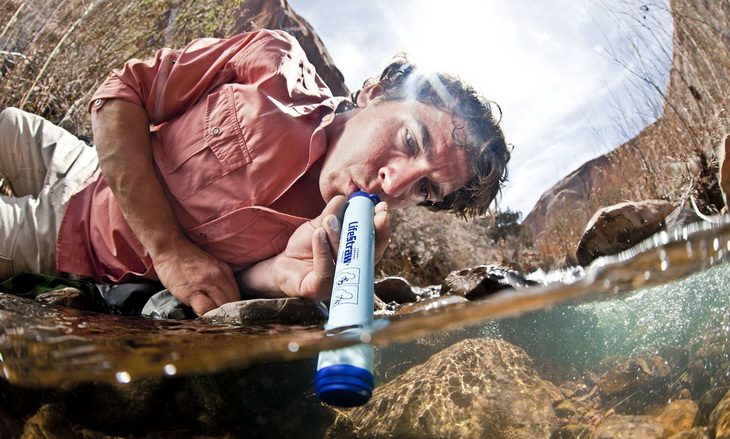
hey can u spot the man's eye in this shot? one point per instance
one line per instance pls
(411, 141)
(423, 189)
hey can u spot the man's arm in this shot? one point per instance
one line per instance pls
(122, 138)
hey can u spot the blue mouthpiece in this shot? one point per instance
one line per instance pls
(344, 385)
(374, 198)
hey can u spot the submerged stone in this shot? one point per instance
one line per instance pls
(720, 418)
(678, 416)
(477, 388)
(629, 427)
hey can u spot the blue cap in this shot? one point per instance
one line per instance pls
(344, 385)
(374, 198)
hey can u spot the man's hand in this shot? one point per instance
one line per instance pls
(306, 267)
(196, 278)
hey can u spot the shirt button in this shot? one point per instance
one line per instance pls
(97, 102)
(215, 131)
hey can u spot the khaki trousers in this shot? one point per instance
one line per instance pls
(45, 165)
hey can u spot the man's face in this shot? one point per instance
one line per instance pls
(401, 151)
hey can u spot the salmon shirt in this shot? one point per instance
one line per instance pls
(234, 124)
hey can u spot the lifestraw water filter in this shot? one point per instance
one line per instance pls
(344, 376)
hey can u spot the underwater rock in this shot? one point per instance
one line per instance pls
(477, 388)
(695, 433)
(49, 422)
(8, 426)
(720, 418)
(629, 427)
(616, 228)
(483, 280)
(395, 289)
(679, 415)
(635, 383)
(574, 431)
(286, 311)
(708, 402)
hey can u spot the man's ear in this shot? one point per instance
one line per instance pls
(368, 94)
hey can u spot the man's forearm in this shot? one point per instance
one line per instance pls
(121, 134)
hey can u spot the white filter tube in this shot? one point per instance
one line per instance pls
(344, 376)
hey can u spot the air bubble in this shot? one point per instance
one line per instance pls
(664, 265)
(293, 346)
(716, 244)
(365, 337)
(689, 249)
(123, 377)
(647, 275)
(170, 369)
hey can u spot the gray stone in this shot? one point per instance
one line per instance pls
(286, 311)
(616, 228)
(481, 281)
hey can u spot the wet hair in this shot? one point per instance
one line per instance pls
(475, 129)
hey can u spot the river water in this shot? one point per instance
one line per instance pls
(665, 291)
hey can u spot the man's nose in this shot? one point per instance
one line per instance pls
(397, 180)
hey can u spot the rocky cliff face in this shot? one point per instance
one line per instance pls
(661, 162)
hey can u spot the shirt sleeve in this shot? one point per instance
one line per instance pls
(167, 84)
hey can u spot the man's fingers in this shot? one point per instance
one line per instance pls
(200, 302)
(323, 269)
(382, 229)
(333, 228)
(335, 207)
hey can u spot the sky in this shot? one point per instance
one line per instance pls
(574, 78)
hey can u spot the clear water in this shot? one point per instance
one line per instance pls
(663, 292)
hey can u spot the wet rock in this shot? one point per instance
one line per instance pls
(117, 407)
(395, 289)
(566, 409)
(695, 433)
(478, 282)
(71, 297)
(286, 311)
(616, 228)
(720, 418)
(8, 426)
(708, 402)
(475, 389)
(574, 431)
(681, 217)
(633, 384)
(48, 423)
(629, 427)
(679, 415)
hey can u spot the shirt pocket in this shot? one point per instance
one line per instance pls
(194, 156)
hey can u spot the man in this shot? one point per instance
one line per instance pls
(223, 169)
